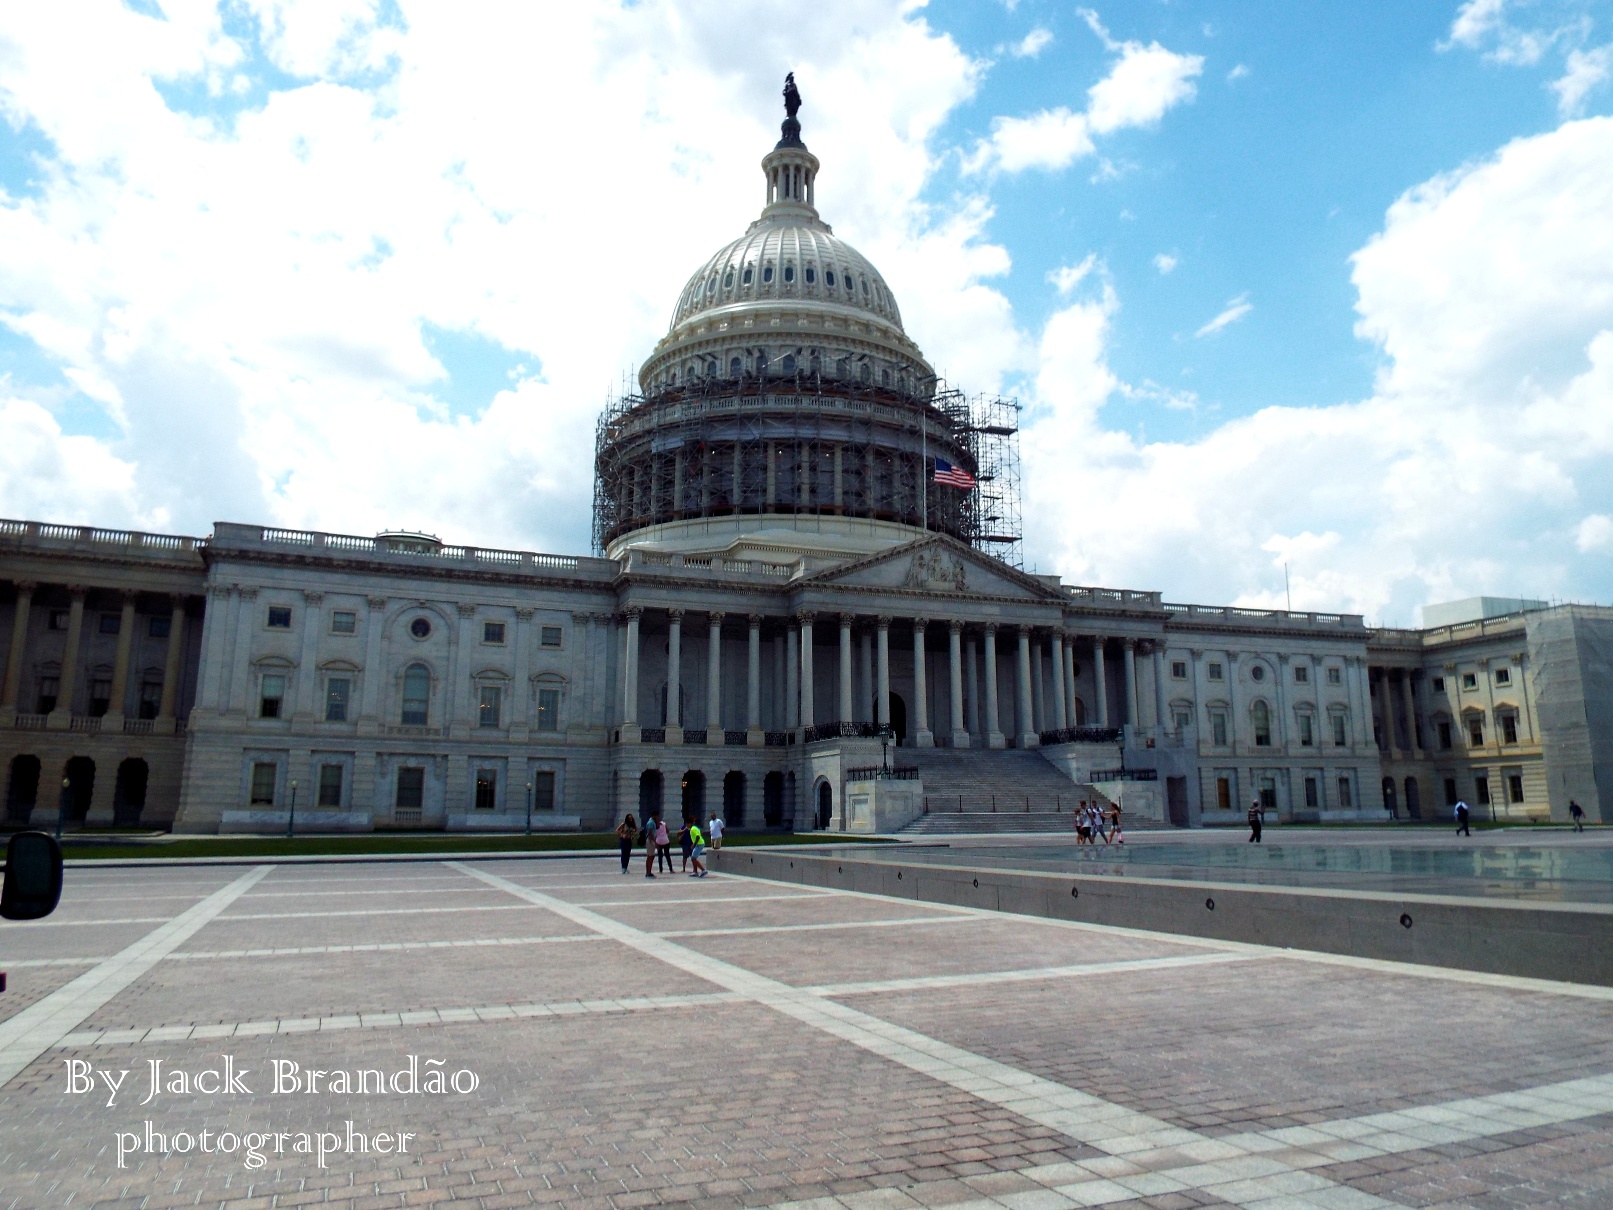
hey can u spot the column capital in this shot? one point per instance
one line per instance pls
(676, 615)
(991, 629)
(1098, 640)
(176, 600)
(76, 591)
(919, 624)
(523, 613)
(1129, 642)
(755, 620)
(1282, 658)
(1025, 629)
(714, 617)
(246, 594)
(884, 621)
(376, 603)
(633, 611)
(847, 621)
(311, 597)
(955, 625)
(25, 587)
(467, 610)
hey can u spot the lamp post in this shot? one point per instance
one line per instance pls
(61, 810)
(529, 808)
(291, 819)
(884, 747)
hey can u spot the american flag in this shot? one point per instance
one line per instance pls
(952, 476)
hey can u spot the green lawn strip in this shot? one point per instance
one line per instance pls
(328, 846)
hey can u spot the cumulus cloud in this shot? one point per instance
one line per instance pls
(1235, 310)
(1478, 463)
(1165, 263)
(1140, 87)
(1032, 44)
(1067, 277)
(1584, 72)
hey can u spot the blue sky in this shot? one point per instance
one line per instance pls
(1328, 285)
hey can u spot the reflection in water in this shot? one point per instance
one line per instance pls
(1582, 875)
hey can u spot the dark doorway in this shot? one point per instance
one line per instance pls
(80, 774)
(826, 805)
(898, 718)
(649, 793)
(1414, 799)
(694, 795)
(22, 790)
(129, 792)
(790, 801)
(1176, 801)
(1389, 797)
(733, 799)
(773, 799)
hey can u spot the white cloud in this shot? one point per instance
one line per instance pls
(1140, 87)
(1483, 23)
(1032, 44)
(1235, 310)
(1238, 72)
(1067, 277)
(1165, 262)
(1583, 73)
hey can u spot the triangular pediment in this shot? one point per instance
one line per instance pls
(939, 566)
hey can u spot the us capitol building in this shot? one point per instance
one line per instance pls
(806, 616)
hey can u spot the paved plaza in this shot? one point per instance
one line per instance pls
(736, 1042)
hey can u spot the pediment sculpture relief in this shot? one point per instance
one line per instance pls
(937, 570)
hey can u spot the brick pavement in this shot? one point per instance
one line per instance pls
(1206, 1076)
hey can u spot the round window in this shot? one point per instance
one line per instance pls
(420, 628)
(1257, 673)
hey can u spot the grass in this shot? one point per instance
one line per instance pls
(382, 844)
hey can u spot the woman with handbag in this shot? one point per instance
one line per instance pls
(626, 837)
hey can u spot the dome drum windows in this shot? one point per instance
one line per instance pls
(728, 279)
(828, 277)
(811, 275)
(745, 277)
(767, 273)
(788, 365)
(789, 274)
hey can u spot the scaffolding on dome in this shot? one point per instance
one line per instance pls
(808, 444)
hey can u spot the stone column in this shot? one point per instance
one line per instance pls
(923, 737)
(1409, 700)
(1159, 686)
(1130, 648)
(1361, 710)
(844, 711)
(792, 678)
(1200, 718)
(1038, 688)
(1386, 708)
(971, 665)
(714, 736)
(809, 714)
(865, 687)
(754, 735)
(630, 653)
(61, 718)
(308, 659)
(1022, 683)
(372, 674)
(12, 690)
(1061, 717)
(164, 723)
(461, 707)
(120, 669)
(1100, 678)
(882, 693)
(1280, 735)
(994, 735)
(960, 734)
(243, 627)
(1232, 701)
(674, 676)
(521, 682)
(1069, 680)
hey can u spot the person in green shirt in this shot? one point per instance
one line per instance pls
(698, 839)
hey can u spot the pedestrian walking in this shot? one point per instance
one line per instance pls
(1115, 833)
(715, 826)
(663, 846)
(1256, 819)
(1079, 818)
(686, 840)
(647, 833)
(1577, 814)
(626, 838)
(1461, 813)
(697, 849)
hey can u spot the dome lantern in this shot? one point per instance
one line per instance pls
(791, 170)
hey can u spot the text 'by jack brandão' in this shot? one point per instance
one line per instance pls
(160, 1083)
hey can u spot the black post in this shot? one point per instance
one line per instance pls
(291, 819)
(61, 811)
(529, 808)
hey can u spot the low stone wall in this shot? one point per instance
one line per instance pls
(1536, 940)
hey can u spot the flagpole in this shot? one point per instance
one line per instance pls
(924, 471)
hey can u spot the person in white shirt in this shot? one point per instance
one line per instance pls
(714, 825)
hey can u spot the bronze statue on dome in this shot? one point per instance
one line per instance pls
(792, 96)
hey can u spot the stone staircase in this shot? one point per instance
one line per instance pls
(986, 792)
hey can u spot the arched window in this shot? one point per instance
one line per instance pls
(811, 275)
(761, 361)
(728, 279)
(744, 278)
(884, 378)
(767, 273)
(1262, 720)
(789, 273)
(416, 695)
(711, 285)
(867, 373)
(735, 367)
(828, 277)
(789, 363)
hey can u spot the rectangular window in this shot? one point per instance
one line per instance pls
(1179, 670)
(344, 621)
(280, 617)
(1218, 728)
(1514, 787)
(1470, 680)
(1481, 790)
(1302, 675)
(150, 698)
(274, 692)
(157, 628)
(100, 697)
(1306, 726)
(1312, 793)
(1184, 720)
(338, 690)
(111, 623)
(330, 785)
(49, 687)
(543, 791)
(548, 709)
(1268, 794)
(1475, 731)
(263, 775)
(1215, 671)
(550, 636)
(1223, 793)
(1437, 684)
(1509, 728)
(1503, 676)
(487, 711)
(58, 619)
(486, 789)
(1450, 791)
(1345, 797)
(1335, 676)
(1341, 733)
(1444, 729)
(493, 632)
(411, 793)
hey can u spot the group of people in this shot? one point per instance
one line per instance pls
(657, 840)
(1092, 821)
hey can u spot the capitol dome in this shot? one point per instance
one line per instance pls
(786, 410)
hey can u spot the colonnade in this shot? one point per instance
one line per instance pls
(1044, 679)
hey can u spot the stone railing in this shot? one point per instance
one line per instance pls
(881, 772)
(129, 541)
(652, 735)
(777, 739)
(1235, 615)
(840, 731)
(694, 737)
(1123, 775)
(392, 550)
(1081, 735)
(29, 722)
(735, 739)
(1113, 596)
